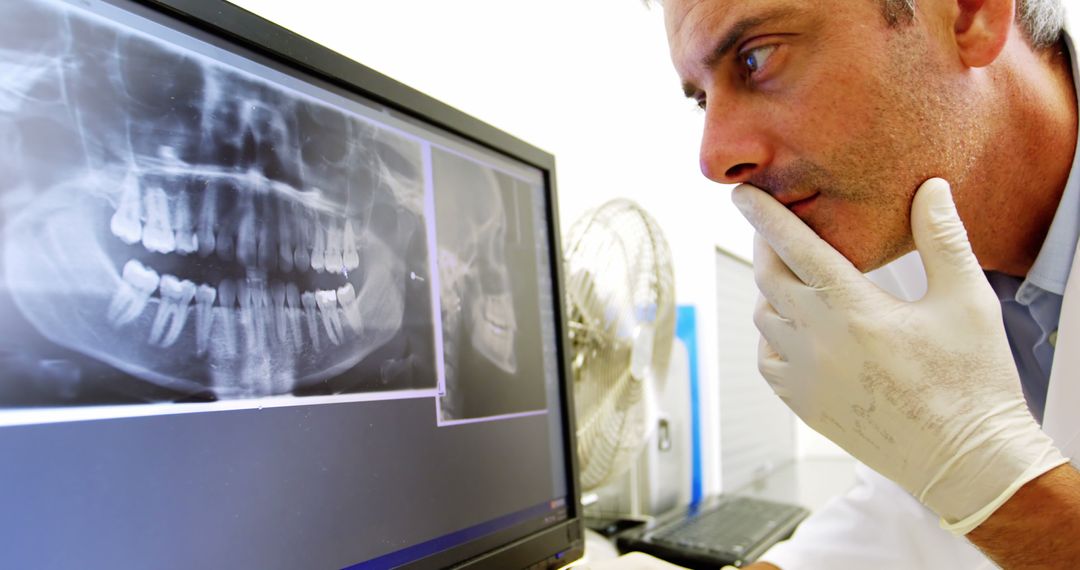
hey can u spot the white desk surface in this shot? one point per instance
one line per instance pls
(809, 482)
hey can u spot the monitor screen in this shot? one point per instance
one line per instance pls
(262, 307)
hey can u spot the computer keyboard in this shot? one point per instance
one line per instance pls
(725, 529)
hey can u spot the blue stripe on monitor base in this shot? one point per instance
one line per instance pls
(448, 541)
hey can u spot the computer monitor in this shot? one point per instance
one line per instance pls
(262, 307)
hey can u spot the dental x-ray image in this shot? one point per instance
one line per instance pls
(489, 291)
(178, 229)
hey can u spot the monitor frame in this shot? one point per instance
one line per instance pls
(560, 543)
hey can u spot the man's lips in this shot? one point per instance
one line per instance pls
(801, 205)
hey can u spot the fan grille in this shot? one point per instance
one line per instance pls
(620, 289)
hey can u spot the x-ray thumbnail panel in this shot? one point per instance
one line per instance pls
(489, 287)
(176, 228)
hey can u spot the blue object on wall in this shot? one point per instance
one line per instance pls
(686, 331)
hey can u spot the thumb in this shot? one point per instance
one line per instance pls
(941, 238)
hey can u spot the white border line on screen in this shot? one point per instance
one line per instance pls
(34, 416)
(497, 418)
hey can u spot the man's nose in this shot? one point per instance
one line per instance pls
(733, 147)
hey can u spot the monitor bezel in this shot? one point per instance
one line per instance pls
(561, 542)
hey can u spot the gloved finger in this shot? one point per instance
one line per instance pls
(777, 331)
(773, 369)
(941, 238)
(775, 280)
(809, 257)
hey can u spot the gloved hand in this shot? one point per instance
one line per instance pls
(926, 393)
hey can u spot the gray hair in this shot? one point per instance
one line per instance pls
(1041, 21)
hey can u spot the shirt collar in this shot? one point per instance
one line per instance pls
(1050, 271)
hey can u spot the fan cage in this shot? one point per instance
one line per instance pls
(620, 289)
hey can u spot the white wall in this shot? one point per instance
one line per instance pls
(587, 80)
(757, 431)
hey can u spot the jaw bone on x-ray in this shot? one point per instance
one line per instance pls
(191, 224)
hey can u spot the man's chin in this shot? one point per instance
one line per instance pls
(867, 259)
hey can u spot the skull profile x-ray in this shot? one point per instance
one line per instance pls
(489, 291)
(176, 229)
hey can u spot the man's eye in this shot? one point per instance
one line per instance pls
(753, 60)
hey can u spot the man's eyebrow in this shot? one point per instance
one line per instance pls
(728, 41)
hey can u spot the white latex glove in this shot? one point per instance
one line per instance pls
(926, 393)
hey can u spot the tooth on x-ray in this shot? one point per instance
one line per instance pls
(285, 239)
(183, 225)
(292, 298)
(262, 317)
(301, 255)
(139, 282)
(253, 305)
(126, 223)
(335, 236)
(207, 221)
(346, 296)
(245, 235)
(281, 318)
(204, 317)
(318, 250)
(224, 247)
(311, 317)
(225, 315)
(350, 257)
(266, 256)
(157, 233)
(172, 313)
(328, 309)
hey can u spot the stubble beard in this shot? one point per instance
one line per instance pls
(923, 130)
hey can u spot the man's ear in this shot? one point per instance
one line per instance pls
(981, 28)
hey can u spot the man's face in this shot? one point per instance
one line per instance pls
(828, 108)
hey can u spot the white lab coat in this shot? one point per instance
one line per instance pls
(877, 524)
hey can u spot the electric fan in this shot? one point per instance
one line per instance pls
(620, 289)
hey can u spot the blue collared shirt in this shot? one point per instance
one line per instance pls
(1031, 307)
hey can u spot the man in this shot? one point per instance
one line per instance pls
(854, 126)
